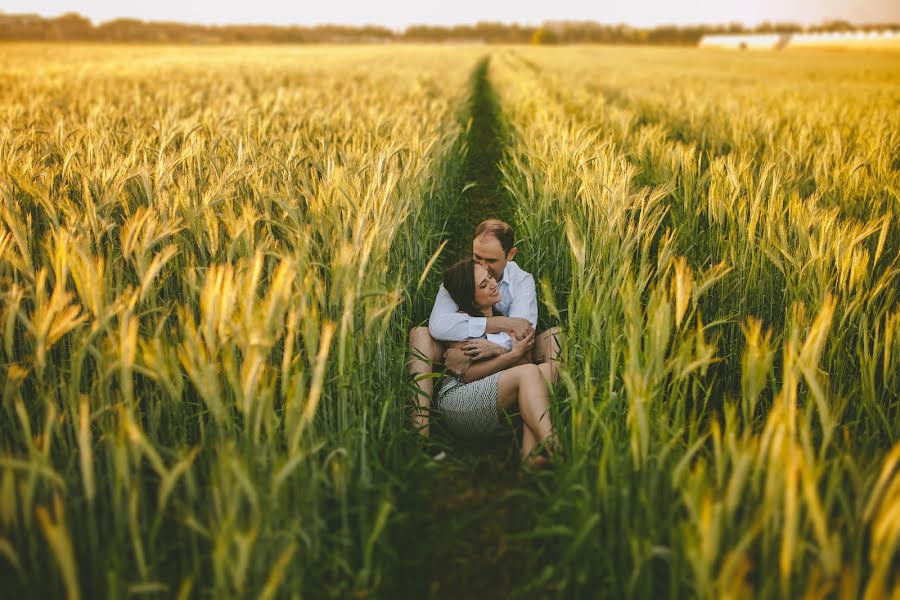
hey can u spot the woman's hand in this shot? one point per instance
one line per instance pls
(521, 347)
(482, 349)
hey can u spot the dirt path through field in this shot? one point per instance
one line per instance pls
(461, 514)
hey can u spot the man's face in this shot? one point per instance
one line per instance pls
(487, 252)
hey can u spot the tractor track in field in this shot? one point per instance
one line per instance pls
(461, 514)
(484, 197)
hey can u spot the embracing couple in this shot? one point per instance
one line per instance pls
(482, 328)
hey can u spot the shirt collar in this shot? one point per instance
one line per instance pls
(507, 273)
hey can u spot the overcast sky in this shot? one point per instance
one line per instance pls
(398, 14)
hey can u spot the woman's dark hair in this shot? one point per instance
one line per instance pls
(459, 281)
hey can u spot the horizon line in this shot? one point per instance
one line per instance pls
(545, 22)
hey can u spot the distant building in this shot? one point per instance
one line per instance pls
(746, 41)
(886, 40)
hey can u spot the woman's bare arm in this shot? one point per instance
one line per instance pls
(482, 368)
(520, 354)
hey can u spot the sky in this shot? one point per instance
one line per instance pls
(398, 14)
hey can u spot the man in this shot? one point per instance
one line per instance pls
(492, 248)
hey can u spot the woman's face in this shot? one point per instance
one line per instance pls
(486, 291)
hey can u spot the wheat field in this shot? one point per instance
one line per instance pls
(210, 258)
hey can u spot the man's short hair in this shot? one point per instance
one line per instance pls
(500, 230)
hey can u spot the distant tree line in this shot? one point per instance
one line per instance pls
(74, 27)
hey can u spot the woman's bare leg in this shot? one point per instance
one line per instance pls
(549, 371)
(421, 344)
(546, 352)
(528, 440)
(524, 386)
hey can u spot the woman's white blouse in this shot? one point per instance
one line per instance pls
(518, 298)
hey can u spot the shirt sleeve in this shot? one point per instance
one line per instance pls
(448, 324)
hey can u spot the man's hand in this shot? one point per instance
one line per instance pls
(457, 361)
(482, 349)
(520, 328)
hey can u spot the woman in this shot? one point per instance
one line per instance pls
(473, 403)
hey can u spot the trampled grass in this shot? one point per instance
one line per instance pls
(210, 258)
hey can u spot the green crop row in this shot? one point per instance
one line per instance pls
(729, 285)
(210, 259)
(208, 264)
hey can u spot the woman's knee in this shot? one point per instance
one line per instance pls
(420, 340)
(552, 332)
(531, 373)
(520, 373)
(547, 344)
(419, 335)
